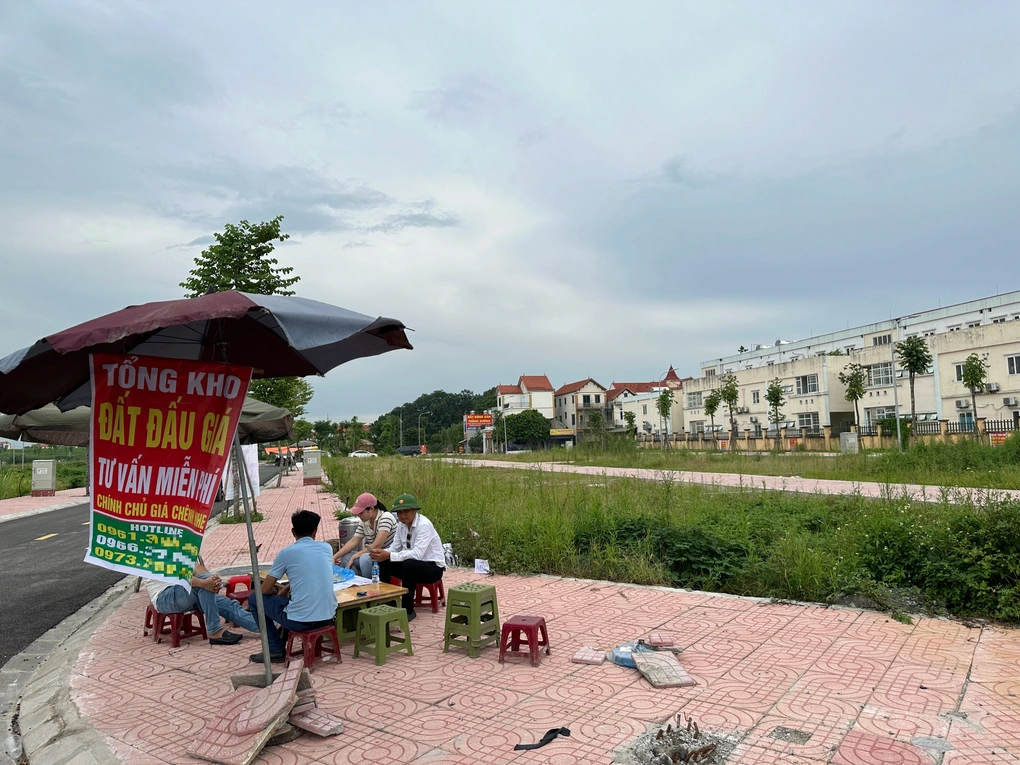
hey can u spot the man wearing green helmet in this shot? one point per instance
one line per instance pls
(416, 553)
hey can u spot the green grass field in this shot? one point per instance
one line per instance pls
(964, 559)
(964, 463)
(16, 480)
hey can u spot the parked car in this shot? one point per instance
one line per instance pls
(409, 451)
(362, 453)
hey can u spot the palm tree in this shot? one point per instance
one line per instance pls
(915, 357)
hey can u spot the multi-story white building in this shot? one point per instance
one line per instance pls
(809, 372)
(999, 309)
(530, 392)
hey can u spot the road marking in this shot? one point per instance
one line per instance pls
(87, 523)
(40, 539)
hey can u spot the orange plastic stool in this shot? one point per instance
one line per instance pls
(437, 595)
(312, 644)
(516, 628)
(180, 627)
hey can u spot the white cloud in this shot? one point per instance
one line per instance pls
(576, 189)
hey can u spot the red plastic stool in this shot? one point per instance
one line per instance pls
(437, 595)
(312, 645)
(241, 596)
(516, 628)
(180, 627)
(396, 581)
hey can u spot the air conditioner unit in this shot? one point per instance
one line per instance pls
(755, 419)
(992, 387)
(742, 410)
(962, 404)
(1010, 401)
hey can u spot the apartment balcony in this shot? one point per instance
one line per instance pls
(592, 405)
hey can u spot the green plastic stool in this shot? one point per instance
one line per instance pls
(374, 632)
(472, 617)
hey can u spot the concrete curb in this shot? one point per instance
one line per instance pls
(36, 687)
(41, 510)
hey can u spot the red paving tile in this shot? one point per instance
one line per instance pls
(852, 679)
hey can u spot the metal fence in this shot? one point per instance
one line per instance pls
(867, 430)
(932, 428)
(1000, 426)
(961, 427)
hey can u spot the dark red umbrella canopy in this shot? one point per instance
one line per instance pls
(278, 336)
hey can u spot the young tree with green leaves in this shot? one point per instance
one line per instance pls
(664, 405)
(775, 398)
(975, 375)
(302, 430)
(711, 405)
(631, 419)
(729, 392)
(855, 378)
(242, 260)
(595, 430)
(915, 357)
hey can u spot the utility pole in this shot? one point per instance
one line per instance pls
(401, 426)
(420, 415)
(896, 386)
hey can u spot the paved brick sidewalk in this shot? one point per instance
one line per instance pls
(865, 688)
(22, 506)
(772, 483)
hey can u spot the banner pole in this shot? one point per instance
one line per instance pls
(256, 581)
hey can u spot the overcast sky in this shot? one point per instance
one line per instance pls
(572, 189)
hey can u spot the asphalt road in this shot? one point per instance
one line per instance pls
(44, 577)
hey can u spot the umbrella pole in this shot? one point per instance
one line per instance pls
(253, 553)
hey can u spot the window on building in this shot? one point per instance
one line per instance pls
(806, 384)
(598, 398)
(881, 340)
(573, 399)
(879, 413)
(930, 333)
(756, 397)
(972, 324)
(848, 349)
(999, 320)
(955, 329)
(586, 400)
(644, 409)
(693, 400)
(881, 374)
(572, 420)
(1013, 364)
(787, 389)
(807, 420)
(709, 373)
(959, 373)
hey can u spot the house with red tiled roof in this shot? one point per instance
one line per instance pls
(574, 403)
(641, 399)
(530, 392)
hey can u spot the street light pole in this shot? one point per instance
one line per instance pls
(422, 414)
(896, 387)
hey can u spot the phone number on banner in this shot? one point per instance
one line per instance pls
(166, 550)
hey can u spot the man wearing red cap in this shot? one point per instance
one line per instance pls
(374, 533)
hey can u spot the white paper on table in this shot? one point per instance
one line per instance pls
(358, 580)
(481, 566)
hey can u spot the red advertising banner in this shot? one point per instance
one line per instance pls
(477, 420)
(161, 433)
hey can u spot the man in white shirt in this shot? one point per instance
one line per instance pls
(416, 554)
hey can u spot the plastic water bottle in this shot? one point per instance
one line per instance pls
(375, 572)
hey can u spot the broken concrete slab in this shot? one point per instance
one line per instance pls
(662, 670)
(318, 722)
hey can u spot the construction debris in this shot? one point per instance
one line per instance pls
(681, 742)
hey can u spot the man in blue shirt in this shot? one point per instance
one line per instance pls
(308, 566)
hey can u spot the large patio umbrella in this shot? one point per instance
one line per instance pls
(259, 423)
(275, 335)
